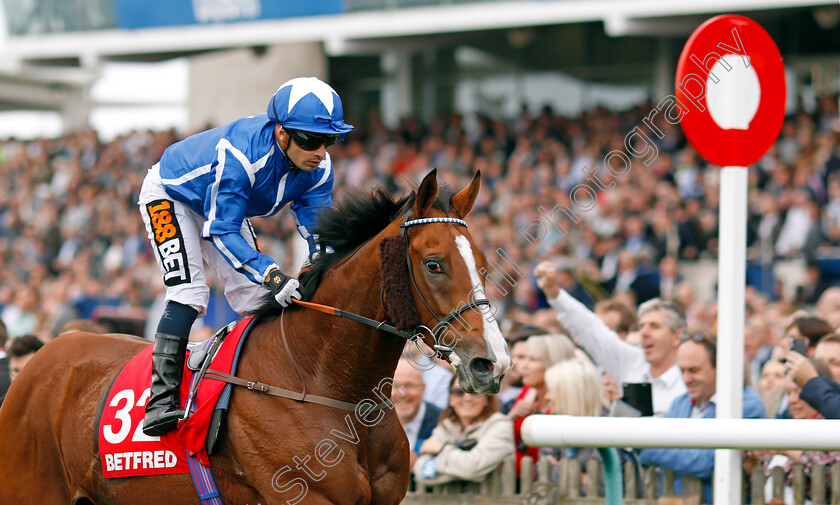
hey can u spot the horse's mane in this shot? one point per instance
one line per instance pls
(356, 218)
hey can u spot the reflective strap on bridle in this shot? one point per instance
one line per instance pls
(429, 220)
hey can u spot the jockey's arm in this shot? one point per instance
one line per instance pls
(306, 208)
(224, 208)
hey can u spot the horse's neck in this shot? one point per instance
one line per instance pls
(347, 358)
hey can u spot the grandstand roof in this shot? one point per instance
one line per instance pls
(367, 31)
(48, 66)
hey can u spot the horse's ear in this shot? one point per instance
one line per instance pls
(426, 194)
(462, 203)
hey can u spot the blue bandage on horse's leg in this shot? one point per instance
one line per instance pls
(177, 319)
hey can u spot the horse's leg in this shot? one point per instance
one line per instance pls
(25, 479)
(389, 471)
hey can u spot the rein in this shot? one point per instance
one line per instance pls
(373, 323)
(379, 325)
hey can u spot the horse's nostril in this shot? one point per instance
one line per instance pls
(481, 366)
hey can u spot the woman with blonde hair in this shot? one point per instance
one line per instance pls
(543, 352)
(574, 389)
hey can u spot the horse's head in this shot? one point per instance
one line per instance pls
(447, 273)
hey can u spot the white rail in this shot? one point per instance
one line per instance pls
(641, 432)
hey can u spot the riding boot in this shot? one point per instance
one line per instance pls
(163, 410)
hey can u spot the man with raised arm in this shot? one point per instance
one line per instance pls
(660, 326)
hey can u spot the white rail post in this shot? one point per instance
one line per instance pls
(732, 258)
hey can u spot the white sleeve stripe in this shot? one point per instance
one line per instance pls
(222, 147)
(225, 144)
(223, 248)
(269, 268)
(252, 272)
(214, 192)
(236, 263)
(257, 165)
(281, 188)
(301, 229)
(198, 172)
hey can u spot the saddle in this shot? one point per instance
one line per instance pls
(126, 452)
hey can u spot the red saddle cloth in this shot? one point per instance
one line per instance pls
(125, 451)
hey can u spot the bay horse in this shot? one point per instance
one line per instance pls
(48, 442)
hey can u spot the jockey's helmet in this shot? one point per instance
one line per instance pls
(310, 105)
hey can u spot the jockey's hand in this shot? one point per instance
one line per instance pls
(283, 287)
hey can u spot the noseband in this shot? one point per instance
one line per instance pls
(435, 332)
(441, 323)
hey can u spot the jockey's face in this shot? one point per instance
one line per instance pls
(303, 159)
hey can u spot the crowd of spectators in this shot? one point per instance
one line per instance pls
(71, 240)
(569, 373)
(72, 243)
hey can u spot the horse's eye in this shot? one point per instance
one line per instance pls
(434, 267)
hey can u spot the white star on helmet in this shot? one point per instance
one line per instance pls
(302, 86)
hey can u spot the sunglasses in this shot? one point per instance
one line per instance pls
(311, 142)
(698, 338)
(707, 341)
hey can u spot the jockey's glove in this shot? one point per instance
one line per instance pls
(283, 287)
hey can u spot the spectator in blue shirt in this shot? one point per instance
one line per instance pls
(207, 187)
(696, 358)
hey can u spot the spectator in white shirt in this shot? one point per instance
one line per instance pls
(660, 326)
(797, 225)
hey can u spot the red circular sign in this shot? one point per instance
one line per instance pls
(731, 87)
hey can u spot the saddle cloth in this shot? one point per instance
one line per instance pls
(125, 451)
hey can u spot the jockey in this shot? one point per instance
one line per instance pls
(206, 187)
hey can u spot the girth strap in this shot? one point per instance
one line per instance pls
(285, 393)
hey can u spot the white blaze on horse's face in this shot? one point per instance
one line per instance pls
(492, 334)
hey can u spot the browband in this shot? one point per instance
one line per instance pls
(434, 220)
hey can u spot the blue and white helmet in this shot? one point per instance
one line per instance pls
(308, 104)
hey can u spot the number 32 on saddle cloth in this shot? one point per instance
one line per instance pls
(125, 451)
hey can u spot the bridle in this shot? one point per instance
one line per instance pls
(441, 323)
(437, 331)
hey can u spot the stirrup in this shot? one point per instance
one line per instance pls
(209, 354)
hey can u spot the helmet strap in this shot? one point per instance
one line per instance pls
(283, 151)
